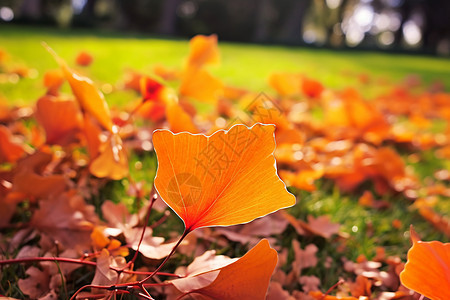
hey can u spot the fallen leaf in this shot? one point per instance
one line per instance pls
(200, 85)
(427, 270)
(10, 149)
(28, 177)
(273, 224)
(224, 179)
(361, 287)
(368, 200)
(112, 162)
(66, 218)
(309, 283)
(178, 119)
(311, 87)
(246, 278)
(276, 292)
(103, 273)
(304, 258)
(321, 226)
(53, 79)
(203, 50)
(440, 222)
(36, 284)
(150, 89)
(151, 247)
(65, 121)
(118, 216)
(90, 98)
(285, 84)
(206, 262)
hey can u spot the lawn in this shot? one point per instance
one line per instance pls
(247, 66)
(243, 65)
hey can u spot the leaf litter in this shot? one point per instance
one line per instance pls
(58, 155)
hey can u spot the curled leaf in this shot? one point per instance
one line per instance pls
(246, 278)
(90, 98)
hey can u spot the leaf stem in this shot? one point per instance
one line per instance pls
(185, 233)
(147, 219)
(332, 288)
(76, 261)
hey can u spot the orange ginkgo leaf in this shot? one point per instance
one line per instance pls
(224, 179)
(285, 84)
(90, 98)
(53, 79)
(10, 151)
(179, 120)
(65, 120)
(203, 50)
(199, 84)
(312, 88)
(150, 88)
(246, 278)
(112, 162)
(427, 270)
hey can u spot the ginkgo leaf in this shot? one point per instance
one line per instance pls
(65, 119)
(246, 278)
(150, 88)
(427, 270)
(112, 162)
(53, 79)
(285, 84)
(201, 85)
(312, 88)
(224, 179)
(203, 50)
(90, 98)
(37, 283)
(92, 132)
(66, 218)
(179, 120)
(28, 178)
(104, 275)
(10, 151)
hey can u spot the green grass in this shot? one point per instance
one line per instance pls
(246, 66)
(242, 65)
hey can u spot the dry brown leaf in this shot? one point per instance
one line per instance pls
(206, 262)
(66, 218)
(304, 258)
(36, 284)
(151, 246)
(309, 283)
(29, 179)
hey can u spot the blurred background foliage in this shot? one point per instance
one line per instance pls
(420, 26)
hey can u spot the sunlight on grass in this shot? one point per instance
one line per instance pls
(242, 65)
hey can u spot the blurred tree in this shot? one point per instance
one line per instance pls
(167, 21)
(405, 25)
